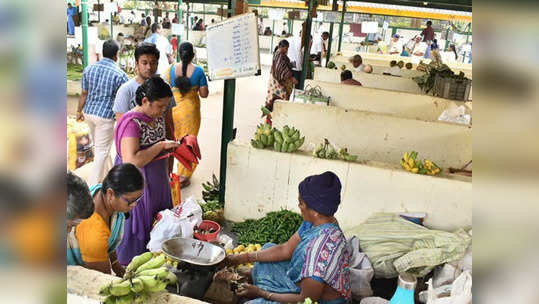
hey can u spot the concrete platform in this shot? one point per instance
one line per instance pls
(260, 181)
(378, 137)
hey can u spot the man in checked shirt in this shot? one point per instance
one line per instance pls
(100, 82)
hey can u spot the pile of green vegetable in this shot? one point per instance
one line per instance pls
(74, 71)
(276, 227)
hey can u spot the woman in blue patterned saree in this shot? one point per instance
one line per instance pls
(313, 263)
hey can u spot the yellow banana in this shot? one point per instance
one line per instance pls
(437, 170)
(411, 162)
(138, 260)
(407, 167)
(151, 264)
(406, 156)
(121, 288)
(415, 170)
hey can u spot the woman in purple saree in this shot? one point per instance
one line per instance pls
(140, 139)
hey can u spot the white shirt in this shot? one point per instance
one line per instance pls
(395, 47)
(164, 47)
(295, 53)
(420, 48)
(317, 45)
(359, 68)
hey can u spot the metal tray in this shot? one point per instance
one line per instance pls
(193, 251)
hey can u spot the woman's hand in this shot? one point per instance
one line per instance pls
(250, 291)
(237, 259)
(169, 144)
(80, 116)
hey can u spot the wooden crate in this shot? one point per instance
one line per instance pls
(452, 88)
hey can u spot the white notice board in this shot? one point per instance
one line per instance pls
(233, 48)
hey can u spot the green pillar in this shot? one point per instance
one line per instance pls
(84, 4)
(306, 48)
(328, 55)
(187, 24)
(341, 26)
(272, 34)
(228, 118)
(180, 21)
(446, 39)
(221, 12)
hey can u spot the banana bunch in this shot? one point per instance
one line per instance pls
(288, 140)
(144, 275)
(410, 163)
(263, 136)
(211, 189)
(326, 150)
(242, 249)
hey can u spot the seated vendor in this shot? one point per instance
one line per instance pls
(346, 78)
(314, 262)
(93, 242)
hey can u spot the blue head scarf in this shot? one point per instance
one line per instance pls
(322, 193)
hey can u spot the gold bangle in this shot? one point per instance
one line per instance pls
(269, 296)
(114, 262)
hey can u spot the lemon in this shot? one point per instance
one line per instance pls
(236, 250)
(258, 247)
(240, 248)
(229, 251)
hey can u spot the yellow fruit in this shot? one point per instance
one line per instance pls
(249, 250)
(229, 251)
(240, 248)
(411, 163)
(258, 247)
(437, 170)
(251, 246)
(406, 156)
(415, 170)
(236, 251)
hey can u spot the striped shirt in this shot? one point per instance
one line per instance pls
(102, 80)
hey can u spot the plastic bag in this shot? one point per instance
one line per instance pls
(177, 222)
(361, 271)
(457, 115)
(461, 291)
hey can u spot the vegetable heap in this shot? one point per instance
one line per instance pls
(276, 227)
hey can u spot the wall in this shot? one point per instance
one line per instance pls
(378, 137)
(375, 81)
(260, 181)
(379, 69)
(423, 107)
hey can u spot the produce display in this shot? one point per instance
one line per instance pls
(311, 95)
(331, 65)
(288, 140)
(276, 227)
(410, 163)
(213, 211)
(343, 67)
(263, 136)
(211, 190)
(326, 150)
(244, 249)
(74, 71)
(144, 275)
(434, 68)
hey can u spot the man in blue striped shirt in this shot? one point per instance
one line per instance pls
(100, 82)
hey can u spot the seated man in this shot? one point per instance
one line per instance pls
(346, 78)
(357, 63)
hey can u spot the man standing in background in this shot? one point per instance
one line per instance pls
(295, 54)
(164, 47)
(319, 47)
(100, 82)
(428, 37)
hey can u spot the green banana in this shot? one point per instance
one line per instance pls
(278, 136)
(126, 299)
(259, 145)
(138, 261)
(286, 138)
(160, 272)
(153, 263)
(284, 147)
(264, 139)
(149, 281)
(291, 147)
(171, 278)
(286, 129)
(350, 157)
(121, 288)
(295, 136)
(253, 143)
(105, 290)
(137, 285)
(270, 140)
(265, 111)
(110, 300)
(141, 298)
(300, 142)
(277, 146)
(159, 287)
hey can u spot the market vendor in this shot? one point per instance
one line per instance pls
(346, 78)
(314, 262)
(93, 242)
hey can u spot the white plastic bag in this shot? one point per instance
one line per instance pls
(457, 115)
(178, 222)
(361, 271)
(461, 291)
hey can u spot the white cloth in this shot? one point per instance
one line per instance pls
(317, 46)
(102, 134)
(419, 48)
(395, 47)
(295, 53)
(164, 47)
(359, 69)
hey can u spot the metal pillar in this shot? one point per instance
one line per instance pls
(328, 55)
(221, 12)
(341, 26)
(227, 132)
(98, 13)
(180, 21)
(306, 46)
(272, 34)
(111, 25)
(84, 4)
